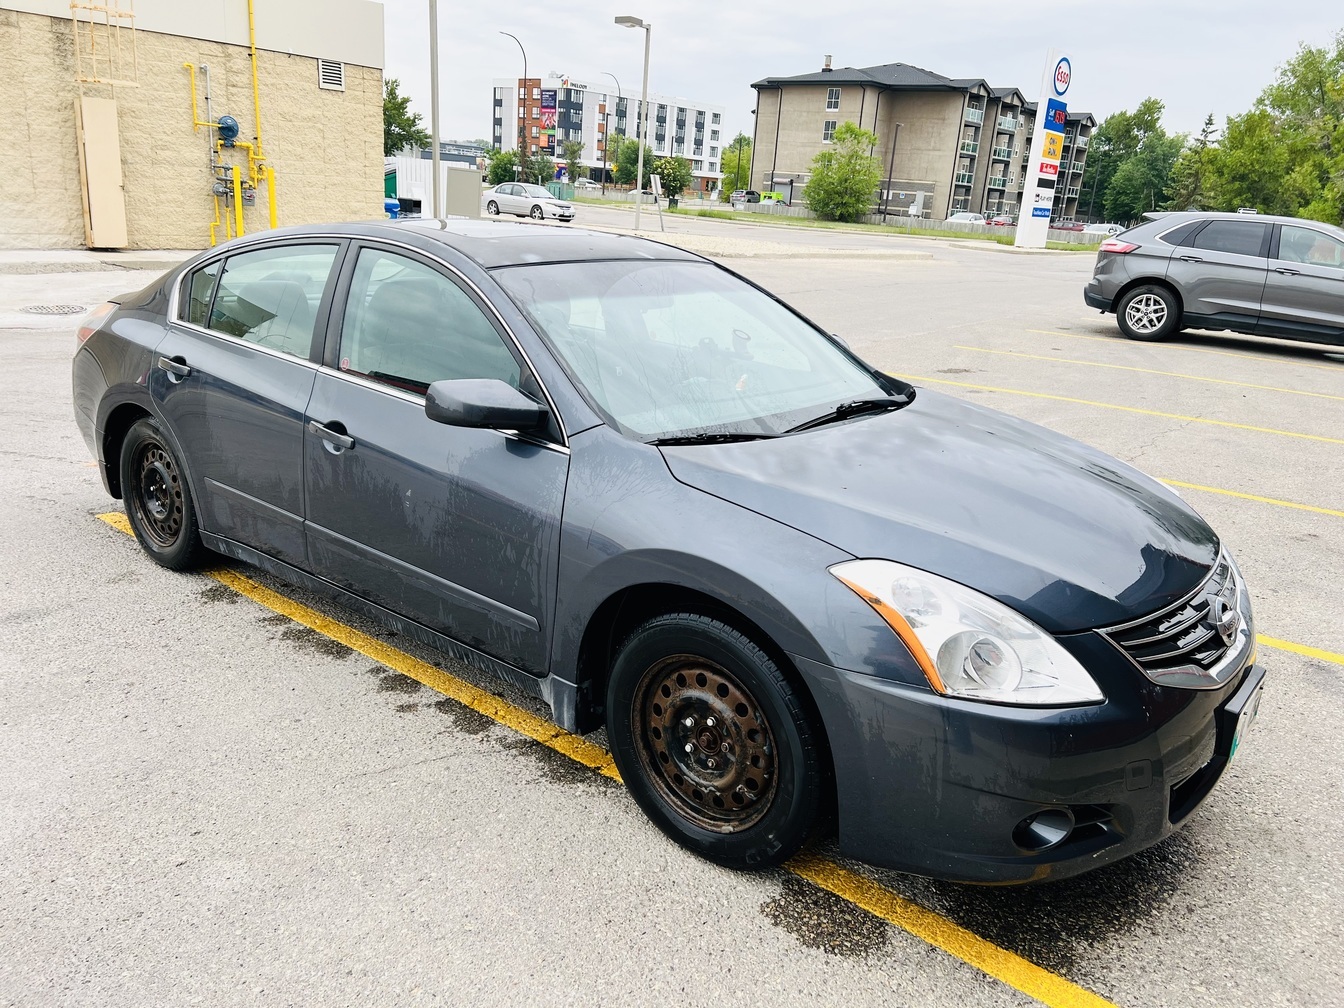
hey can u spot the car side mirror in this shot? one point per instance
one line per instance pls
(483, 402)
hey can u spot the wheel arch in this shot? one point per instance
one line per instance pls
(120, 420)
(1148, 281)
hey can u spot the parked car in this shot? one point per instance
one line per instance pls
(1002, 220)
(617, 476)
(523, 199)
(966, 217)
(587, 184)
(1103, 229)
(1067, 225)
(744, 196)
(1253, 274)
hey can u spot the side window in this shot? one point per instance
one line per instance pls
(1178, 235)
(1239, 237)
(1304, 245)
(198, 288)
(270, 297)
(407, 325)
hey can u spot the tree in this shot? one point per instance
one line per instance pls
(676, 175)
(736, 165)
(1140, 183)
(1117, 139)
(845, 178)
(502, 165)
(571, 151)
(1186, 186)
(540, 169)
(627, 159)
(401, 127)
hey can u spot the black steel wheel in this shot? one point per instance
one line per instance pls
(492, 208)
(158, 498)
(538, 213)
(714, 741)
(1149, 312)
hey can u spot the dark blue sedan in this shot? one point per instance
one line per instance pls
(794, 590)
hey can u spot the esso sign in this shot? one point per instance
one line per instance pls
(1063, 74)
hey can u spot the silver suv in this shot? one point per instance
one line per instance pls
(1261, 275)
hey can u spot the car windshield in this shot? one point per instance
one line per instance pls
(667, 349)
(537, 192)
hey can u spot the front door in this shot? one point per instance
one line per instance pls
(1304, 296)
(456, 528)
(232, 378)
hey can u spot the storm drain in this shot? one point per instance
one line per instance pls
(53, 309)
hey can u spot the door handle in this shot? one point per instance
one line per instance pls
(1286, 271)
(175, 366)
(331, 436)
(1191, 259)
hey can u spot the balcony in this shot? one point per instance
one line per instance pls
(1073, 192)
(1076, 167)
(963, 178)
(1082, 142)
(1008, 124)
(1002, 153)
(969, 146)
(975, 115)
(998, 182)
(961, 203)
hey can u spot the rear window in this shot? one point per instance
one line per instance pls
(1238, 237)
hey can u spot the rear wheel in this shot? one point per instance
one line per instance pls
(537, 212)
(1149, 312)
(492, 208)
(714, 741)
(158, 499)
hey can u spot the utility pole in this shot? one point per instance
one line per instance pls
(606, 140)
(437, 196)
(522, 114)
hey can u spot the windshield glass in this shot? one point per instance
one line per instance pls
(537, 192)
(672, 348)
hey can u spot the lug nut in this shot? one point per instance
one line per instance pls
(724, 748)
(709, 763)
(689, 747)
(709, 721)
(690, 722)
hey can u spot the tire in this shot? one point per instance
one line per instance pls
(538, 213)
(492, 208)
(1149, 312)
(751, 789)
(158, 498)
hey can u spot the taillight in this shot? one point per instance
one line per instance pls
(1117, 246)
(93, 320)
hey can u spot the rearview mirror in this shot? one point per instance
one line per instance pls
(483, 402)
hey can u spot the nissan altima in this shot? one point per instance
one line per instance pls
(799, 594)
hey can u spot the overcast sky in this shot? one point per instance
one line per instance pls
(1198, 56)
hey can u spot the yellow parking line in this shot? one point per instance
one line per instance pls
(1018, 973)
(1254, 497)
(1114, 406)
(1167, 374)
(1302, 649)
(1173, 346)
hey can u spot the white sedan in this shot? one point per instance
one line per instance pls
(524, 200)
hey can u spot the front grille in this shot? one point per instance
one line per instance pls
(1184, 641)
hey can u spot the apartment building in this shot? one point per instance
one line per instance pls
(553, 110)
(945, 144)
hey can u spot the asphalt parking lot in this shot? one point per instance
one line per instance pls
(217, 790)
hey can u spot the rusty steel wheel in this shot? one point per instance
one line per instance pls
(158, 498)
(705, 745)
(716, 743)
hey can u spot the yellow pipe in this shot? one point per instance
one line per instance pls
(237, 198)
(215, 224)
(270, 194)
(256, 92)
(196, 122)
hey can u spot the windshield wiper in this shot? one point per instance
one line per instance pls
(711, 437)
(850, 409)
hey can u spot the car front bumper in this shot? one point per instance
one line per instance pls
(942, 787)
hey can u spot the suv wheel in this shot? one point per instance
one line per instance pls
(1149, 312)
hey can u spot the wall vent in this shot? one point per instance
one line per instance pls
(331, 75)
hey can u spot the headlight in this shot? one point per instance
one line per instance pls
(968, 644)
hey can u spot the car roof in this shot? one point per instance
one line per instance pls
(1178, 216)
(491, 243)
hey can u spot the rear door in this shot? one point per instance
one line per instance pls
(232, 378)
(1304, 293)
(456, 528)
(1220, 271)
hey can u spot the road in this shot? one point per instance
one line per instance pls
(216, 798)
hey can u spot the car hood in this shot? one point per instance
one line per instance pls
(1068, 536)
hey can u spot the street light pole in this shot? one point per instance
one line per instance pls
(633, 22)
(522, 116)
(606, 140)
(737, 169)
(436, 198)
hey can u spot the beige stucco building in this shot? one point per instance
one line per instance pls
(97, 116)
(958, 144)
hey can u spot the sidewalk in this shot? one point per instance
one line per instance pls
(52, 289)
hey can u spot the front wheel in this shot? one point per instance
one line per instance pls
(492, 208)
(537, 213)
(158, 499)
(714, 742)
(1149, 312)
